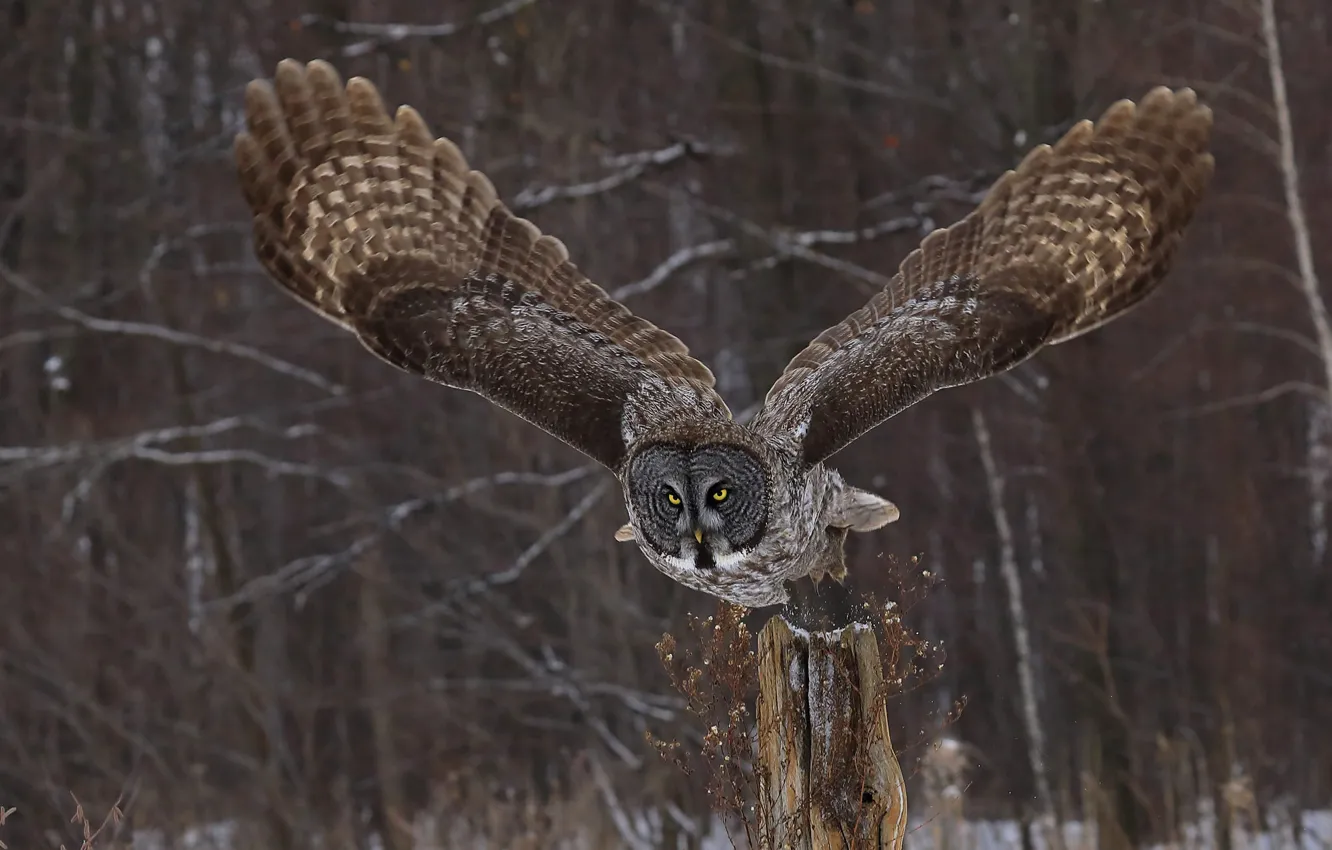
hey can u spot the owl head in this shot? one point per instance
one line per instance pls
(697, 507)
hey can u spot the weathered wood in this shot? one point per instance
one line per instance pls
(829, 779)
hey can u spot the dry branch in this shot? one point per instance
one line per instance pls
(381, 34)
(629, 167)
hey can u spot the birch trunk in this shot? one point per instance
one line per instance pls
(1026, 678)
(1290, 178)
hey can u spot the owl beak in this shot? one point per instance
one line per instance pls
(698, 535)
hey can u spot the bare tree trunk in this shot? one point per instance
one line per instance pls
(1318, 455)
(378, 684)
(1290, 178)
(1026, 678)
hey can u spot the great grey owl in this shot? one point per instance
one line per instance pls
(378, 226)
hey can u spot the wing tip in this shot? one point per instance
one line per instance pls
(1160, 105)
(260, 102)
(290, 80)
(259, 87)
(449, 157)
(368, 110)
(412, 128)
(290, 68)
(554, 247)
(323, 71)
(247, 155)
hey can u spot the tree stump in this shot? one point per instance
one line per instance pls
(829, 779)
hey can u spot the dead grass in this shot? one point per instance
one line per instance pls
(92, 837)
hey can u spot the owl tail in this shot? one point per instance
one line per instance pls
(861, 510)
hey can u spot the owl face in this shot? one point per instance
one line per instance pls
(699, 508)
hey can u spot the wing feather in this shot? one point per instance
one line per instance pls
(376, 225)
(1073, 237)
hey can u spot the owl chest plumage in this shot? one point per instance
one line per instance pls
(798, 540)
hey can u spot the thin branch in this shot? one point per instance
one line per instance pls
(140, 446)
(1230, 263)
(677, 261)
(141, 329)
(31, 337)
(542, 543)
(801, 243)
(273, 466)
(1220, 34)
(1013, 381)
(304, 575)
(1213, 90)
(631, 166)
(762, 264)
(624, 824)
(796, 66)
(939, 187)
(887, 227)
(380, 34)
(786, 244)
(1284, 388)
(1250, 134)
(1284, 334)
(464, 588)
(560, 678)
(852, 270)
(1204, 326)
(40, 456)
(399, 513)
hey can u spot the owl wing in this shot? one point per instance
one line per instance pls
(377, 226)
(1079, 233)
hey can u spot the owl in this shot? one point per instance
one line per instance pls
(376, 225)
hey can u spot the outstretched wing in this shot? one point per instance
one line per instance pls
(1075, 236)
(374, 224)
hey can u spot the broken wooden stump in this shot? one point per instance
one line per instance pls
(829, 779)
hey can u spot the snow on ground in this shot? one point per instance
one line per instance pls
(925, 834)
(1007, 835)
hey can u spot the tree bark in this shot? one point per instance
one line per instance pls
(829, 779)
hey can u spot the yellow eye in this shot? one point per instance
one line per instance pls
(672, 498)
(720, 494)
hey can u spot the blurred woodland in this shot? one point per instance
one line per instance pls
(251, 574)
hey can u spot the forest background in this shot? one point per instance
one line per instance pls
(251, 574)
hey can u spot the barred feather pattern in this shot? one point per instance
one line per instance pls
(385, 230)
(377, 226)
(1073, 237)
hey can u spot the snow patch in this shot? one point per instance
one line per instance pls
(927, 831)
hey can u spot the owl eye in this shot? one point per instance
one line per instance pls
(719, 494)
(672, 498)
